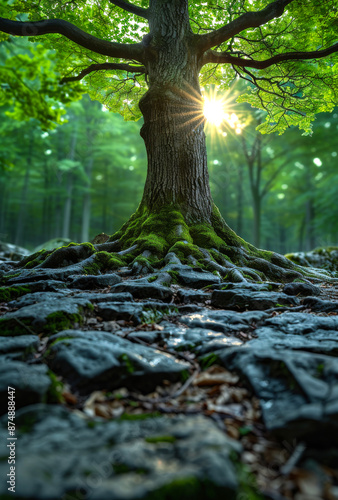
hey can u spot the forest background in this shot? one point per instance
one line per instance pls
(70, 168)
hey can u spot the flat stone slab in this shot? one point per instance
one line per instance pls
(223, 321)
(298, 391)
(181, 457)
(197, 340)
(243, 300)
(319, 305)
(49, 317)
(301, 323)
(301, 289)
(31, 383)
(194, 279)
(93, 297)
(90, 282)
(188, 296)
(99, 360)
(109, 311)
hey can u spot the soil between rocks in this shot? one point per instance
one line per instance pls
(128, 388)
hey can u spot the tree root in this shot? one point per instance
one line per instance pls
(149, 242)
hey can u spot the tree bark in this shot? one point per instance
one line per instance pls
(173, 118)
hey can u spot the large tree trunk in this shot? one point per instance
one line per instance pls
(173, 119)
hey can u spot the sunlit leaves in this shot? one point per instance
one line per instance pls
(29, 83)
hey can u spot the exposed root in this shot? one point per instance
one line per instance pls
(149, 242)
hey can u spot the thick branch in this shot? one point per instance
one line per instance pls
(104, 66)
(243, 22)
(222, 57)
(69, 30)
(129, 7)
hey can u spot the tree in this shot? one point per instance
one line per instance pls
(285, 49)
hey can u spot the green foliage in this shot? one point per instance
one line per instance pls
(30, 83)
(291, 92)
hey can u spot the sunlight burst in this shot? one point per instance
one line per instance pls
(213, 110)
(216, 112)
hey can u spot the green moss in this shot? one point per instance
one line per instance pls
(56, 341)
(248, 488)
(152, 279)
(184, 250)
(204, 236)
(11, 293)
(185, 375)
(208, 360)
(120, 468)
(174, 276)
(5, 279)
(190, 488)
(139, 416)
(127, 363)
(104, 261)
(13, 327)
(160, 439)
(55, 390)
(57, 321)
(35, 259)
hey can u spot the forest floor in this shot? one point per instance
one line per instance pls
(126, 389)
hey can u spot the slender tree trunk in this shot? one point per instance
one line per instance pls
(173, 119)
(19, 236)
(70, 184)
(86, 205)
(240, 200)
(256, 218)
(68, 206)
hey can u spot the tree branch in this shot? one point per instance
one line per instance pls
(243, 22)
(129, 7)
(104, 66)
(222, 57)
(73, 33)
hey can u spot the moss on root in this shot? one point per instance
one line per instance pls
(148, 237)
(12, 292)
(55, 322)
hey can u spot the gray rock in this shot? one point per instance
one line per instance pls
(144, 290)
(196, 278)
(181, 457)
(119, 311)
(297, 390)
(37, 297)
(19, 348)
(49, 317)
(301, 289)
(188, 296)
(104, 297)
(247, 300)
(31, 383)
(301, 323)
(99, 360)
(91, 282)
(319, 305)
(321, 342)
(197, 340)
(223, 321)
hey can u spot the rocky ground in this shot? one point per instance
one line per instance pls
(169, 385)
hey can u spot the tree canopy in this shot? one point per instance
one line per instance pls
(286, 50)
